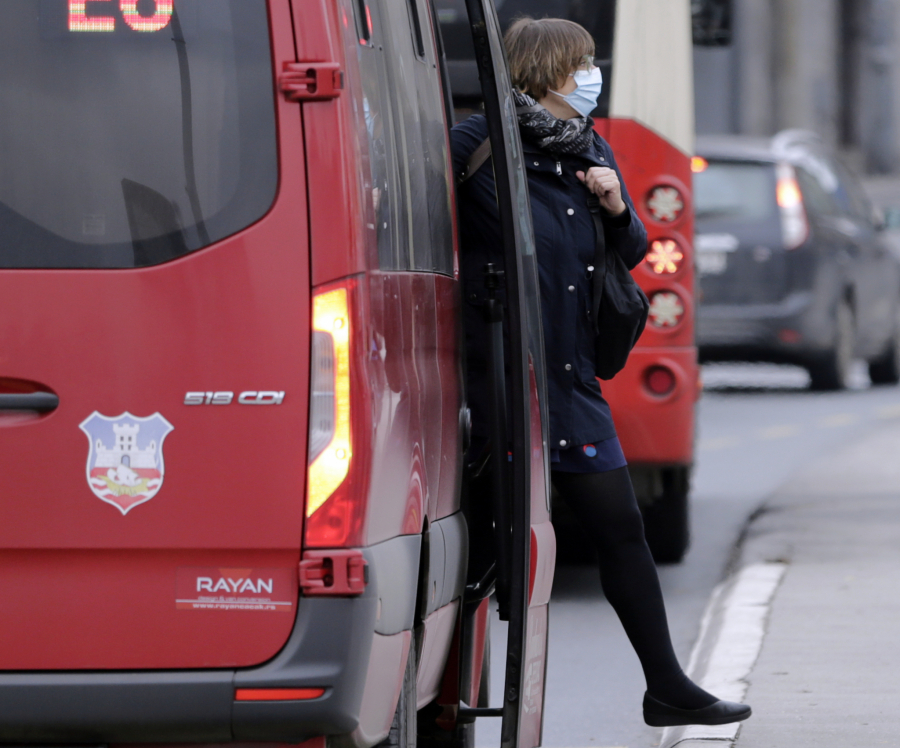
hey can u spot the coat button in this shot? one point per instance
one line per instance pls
(590, 268)
(571, 289)
(562, 442)
(568, 367)
(571, 211)
(537, 163)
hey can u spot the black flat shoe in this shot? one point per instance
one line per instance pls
(657, 714)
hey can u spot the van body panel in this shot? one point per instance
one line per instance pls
(332, 148)
(96, 582)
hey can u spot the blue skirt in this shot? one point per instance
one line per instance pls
(589, 458)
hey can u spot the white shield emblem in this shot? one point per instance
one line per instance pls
(125, 461)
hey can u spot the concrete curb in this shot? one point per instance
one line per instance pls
(731, 637)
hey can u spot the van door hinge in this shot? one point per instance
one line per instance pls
(337, 572)
(311, 81)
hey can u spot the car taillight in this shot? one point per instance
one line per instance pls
(666, 310)
(659, 380)
(333, 514)
(794, 225)
(664, 256)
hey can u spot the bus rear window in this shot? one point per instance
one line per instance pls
(132, 131)
(735, 191)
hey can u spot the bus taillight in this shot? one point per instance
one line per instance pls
(666, 310)
(664, 256)
(666, 204)
(331, 512)
(660, 380)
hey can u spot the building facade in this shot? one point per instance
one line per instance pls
(832, 66)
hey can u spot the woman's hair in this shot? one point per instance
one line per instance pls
(542, 52)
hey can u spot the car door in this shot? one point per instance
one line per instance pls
(532, 547)
(874, 269)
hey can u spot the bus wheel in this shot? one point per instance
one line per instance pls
(667, 518)
(403, 728)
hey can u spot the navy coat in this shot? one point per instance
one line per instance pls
(564, 238)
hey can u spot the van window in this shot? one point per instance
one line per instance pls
(388, 201)
(131, 137)
(408, 152)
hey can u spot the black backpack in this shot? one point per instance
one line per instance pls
(619, 310)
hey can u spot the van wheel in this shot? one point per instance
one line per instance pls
(403, 728)
(886, 368)
(667, 519)
(832, 372)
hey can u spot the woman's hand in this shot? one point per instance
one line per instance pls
(604, 183)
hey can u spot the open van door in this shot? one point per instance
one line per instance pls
(530, 556)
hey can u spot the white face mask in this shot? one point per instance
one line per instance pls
(588, 85)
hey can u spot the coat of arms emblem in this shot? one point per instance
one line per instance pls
(125, 461)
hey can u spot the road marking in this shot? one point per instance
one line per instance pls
(779, 432)
(731, 637)
(837, 420)
(889, 411)
(720, 442)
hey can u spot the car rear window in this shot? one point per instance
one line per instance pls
(132, 131)
(735, 191)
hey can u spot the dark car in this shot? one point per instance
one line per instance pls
(793, 263)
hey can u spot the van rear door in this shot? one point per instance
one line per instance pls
(154, 279)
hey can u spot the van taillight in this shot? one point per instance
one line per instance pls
(794, 225)
(332, 512)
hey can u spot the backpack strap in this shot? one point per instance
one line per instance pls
(481, 154)
(599, 273)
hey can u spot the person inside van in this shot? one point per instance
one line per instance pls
(556, 89)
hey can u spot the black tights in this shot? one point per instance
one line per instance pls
(605, 505)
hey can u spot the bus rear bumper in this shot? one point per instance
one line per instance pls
(330, 647)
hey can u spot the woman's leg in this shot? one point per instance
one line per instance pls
(605, 505)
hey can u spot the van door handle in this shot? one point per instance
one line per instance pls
(42, 401)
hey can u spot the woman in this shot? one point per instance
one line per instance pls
(551, 61)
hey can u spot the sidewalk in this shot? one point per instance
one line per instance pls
(828, 672)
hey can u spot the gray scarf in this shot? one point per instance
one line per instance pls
(556, 136)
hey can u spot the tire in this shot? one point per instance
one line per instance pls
(886, 368)
(667, 519)
(832, 372)
(403, 728)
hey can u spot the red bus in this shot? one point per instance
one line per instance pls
(645, 111)
(232, 421)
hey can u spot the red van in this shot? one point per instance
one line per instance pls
(232, 422)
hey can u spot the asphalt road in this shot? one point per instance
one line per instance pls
(758, 426)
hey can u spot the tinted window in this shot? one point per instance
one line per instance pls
(129, 138)
(735, 191)
(407, 133)
(815, 197)
(850, 195)
(388, 200)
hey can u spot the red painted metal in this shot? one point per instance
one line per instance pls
(311, 81)
(86, 587)
(333, 572)
(657, 430)
(332, 144)
(480, 634)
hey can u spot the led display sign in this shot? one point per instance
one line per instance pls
(140, 15)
